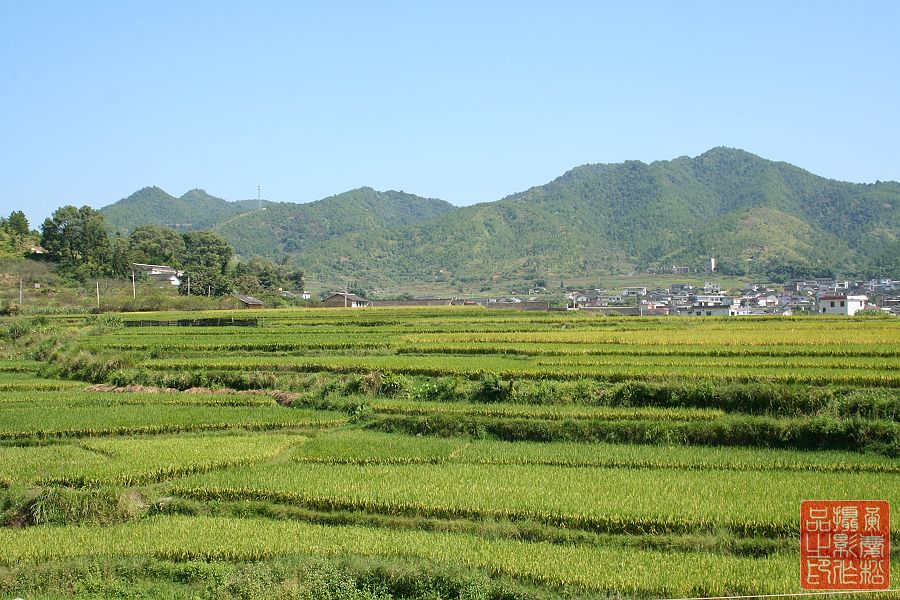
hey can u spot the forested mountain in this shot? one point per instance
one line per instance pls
(288, 229)
(750, 213)
(152, 206)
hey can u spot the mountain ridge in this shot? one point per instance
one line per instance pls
(195, 209)
(745, 210)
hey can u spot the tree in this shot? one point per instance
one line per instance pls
(15, 238)
(295, 280)
(204, 281)
(886, 263)
(781, 270)
(207, 250)
(17, 224)
(358, 291)
(58, 232)
(730, 266)
(247, 284)
(77, 238)
(120, 261)
(157, 245)
(268, 275)
(261, 274)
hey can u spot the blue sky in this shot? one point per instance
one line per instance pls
(465, 101)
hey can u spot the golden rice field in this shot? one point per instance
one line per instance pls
(436, 453)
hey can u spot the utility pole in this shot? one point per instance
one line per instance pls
(258, 198)
(189, 285)
(133, 286)
(98, 295)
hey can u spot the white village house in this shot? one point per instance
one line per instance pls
(160, 273)
(717, 310)
(841, 305)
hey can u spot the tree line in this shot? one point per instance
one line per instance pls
(77, 240)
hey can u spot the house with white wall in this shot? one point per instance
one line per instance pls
(711, 300)
(160, 273)
(840, 305)
(717, 310)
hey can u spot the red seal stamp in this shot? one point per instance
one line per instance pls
(845, 545)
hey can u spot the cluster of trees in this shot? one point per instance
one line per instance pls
(782, 271)
(886, 262)
(158, 245)
(15, 224)
(255, 276)
(15, 234)
(77, 239)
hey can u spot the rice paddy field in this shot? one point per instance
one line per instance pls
(434, 453)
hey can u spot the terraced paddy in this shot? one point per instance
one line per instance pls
(426, 453)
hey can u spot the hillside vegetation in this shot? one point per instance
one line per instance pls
(292, 229)
(750, 213)
(152, 206)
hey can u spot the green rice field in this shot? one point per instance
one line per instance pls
(436, 453)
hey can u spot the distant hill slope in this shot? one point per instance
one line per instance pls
(194, 210)
(597, 219)
(287, 228)
(593, 220)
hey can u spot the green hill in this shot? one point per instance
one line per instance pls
(194, 210)
(598, 219)
(293, 229)
(604, 219)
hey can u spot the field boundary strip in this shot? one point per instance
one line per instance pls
(792, 595)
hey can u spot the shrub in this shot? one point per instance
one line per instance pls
(17, 329)
(392, 384)
(437, 390)
(65, 506)
(84, 366)
(492, 389)
(9, 308)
